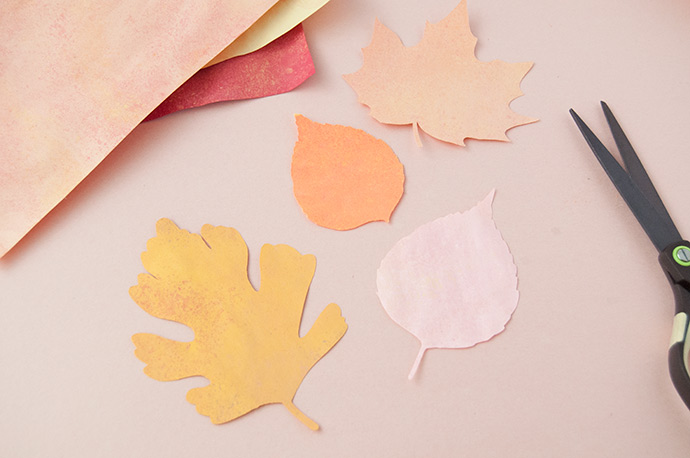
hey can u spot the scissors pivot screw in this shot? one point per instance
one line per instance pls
(682, 255)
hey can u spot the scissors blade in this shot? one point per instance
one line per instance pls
(660, 233)
(634, 167)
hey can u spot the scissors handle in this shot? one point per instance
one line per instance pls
(678, 357)
(675, 260)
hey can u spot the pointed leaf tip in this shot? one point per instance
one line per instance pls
(302, 122)
(487, 202)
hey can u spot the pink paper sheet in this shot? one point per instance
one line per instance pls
(278, 67)
(76, 77)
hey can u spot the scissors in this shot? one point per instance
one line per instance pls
(636, 188)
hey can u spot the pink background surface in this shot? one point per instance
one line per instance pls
(580, 369)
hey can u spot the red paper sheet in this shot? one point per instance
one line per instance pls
(278, 67)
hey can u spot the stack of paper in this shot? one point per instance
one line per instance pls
(77, 77)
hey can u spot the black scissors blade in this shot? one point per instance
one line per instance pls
(634, 187)
(634, 166)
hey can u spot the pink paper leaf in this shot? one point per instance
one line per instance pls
(452, 283)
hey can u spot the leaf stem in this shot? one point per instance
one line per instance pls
(416, 362)
(415, 131)
(292, 408)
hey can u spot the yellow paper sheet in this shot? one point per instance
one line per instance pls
(76, 77)
(281, 18)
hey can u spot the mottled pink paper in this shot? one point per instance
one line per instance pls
(278, 67)
(452, 283)
(76, 77)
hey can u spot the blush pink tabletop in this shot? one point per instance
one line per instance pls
(580, 370)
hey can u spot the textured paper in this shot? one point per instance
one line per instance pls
(278, 67)
(439, 85)
(283, 16)
(343, 177)
(452, 283)
(246, 341)
(76, 77)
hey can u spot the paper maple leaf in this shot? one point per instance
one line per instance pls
(439, 85)
(246, 341)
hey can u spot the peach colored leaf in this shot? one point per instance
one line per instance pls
(343, 177)
(246, 341)
(438, 84)
(452, 283)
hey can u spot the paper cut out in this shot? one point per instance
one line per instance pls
(78, 76)
(343, 177)
(438, 84)
(274, 69)
(452, 283)
(246, 341)
(283, 16)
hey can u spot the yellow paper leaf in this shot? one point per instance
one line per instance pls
(439, 85)
(246, 341)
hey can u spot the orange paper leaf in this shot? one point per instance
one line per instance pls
(343, 177)
(246, 341)
(439, 85)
